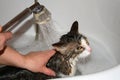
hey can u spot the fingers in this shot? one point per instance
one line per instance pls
(0, 28)
(7, 35)
(48, 71)
(3, 38)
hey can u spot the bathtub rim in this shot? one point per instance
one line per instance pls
(111, 74)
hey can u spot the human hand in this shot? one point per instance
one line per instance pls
(36, 61)
(4, 36)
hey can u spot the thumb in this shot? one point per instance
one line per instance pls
(50, 53)
(48, 71)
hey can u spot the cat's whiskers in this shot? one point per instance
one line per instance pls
(84, 60)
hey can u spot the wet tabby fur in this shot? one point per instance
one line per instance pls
(69, 49)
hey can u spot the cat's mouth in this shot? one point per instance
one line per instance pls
(84, 56)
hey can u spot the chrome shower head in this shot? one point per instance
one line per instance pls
(35, 9)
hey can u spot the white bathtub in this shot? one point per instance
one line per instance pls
(98, 19)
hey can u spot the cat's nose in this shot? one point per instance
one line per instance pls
(89, 49)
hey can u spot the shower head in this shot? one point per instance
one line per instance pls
(41, 17)
(36, 8)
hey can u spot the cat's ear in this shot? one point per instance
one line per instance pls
(60, 46)
(74, 28)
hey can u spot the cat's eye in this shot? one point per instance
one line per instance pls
(80, 48)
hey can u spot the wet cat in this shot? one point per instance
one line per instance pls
(71, 47)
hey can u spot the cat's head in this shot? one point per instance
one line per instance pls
(73, 44)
